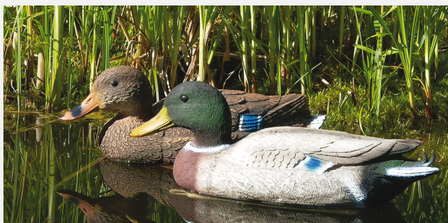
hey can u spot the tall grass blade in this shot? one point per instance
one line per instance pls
(57, 46)
(108, 23)
(379, 60)
(95, 39)
(176, 26)
(274, 36)
(341, 16)
(253, 49)
(47, 55)
(29, 43)
(245, 15)
(207, 15)
(433, 15)
(71, 26)
(303, 54)
(406, 50)
(286, 47)
(18, 46)
(379, 57)
(51, 176)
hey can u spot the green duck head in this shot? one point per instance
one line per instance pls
(198, 107)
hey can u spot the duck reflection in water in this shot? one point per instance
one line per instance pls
(133, 184)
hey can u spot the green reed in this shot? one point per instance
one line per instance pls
(158, 29)
(286, 46)
(146, 21)
(173, 39)
(51, 175)
(273, 15)
(94, 11)
(243, 30)
(373, 61)
(108, 23)
(71, 23)
(406, 49)
(245, 14)
(157, 39)
(253, 48)
(57, 57)
(17, 38)
(377, 77)
(341, 16)
(207, 15)
(29, 43)
(432, 25)
(305, 78)
(46, 53)
(84, 36)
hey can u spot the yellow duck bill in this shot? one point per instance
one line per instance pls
(159, 122)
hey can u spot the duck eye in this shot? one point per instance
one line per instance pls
(114, 83)
(184, 98)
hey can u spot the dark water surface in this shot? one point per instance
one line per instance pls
(43, 156)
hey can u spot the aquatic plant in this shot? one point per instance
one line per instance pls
(274, 48)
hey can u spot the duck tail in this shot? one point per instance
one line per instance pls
(293, 110)
(412, 169)
(316, 121)
(405, 145)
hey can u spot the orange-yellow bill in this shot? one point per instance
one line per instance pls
(159, 122)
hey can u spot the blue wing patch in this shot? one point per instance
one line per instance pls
(250, 123)
(314, 164)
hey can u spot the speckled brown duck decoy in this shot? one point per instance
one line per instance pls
(126, 91)
(286, 165)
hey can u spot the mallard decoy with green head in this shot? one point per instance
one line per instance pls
(282, 165)
(126, 91)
